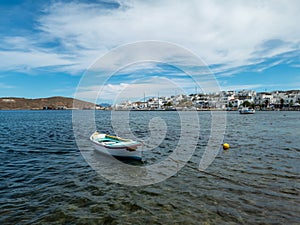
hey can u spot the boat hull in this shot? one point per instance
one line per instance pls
(247, 111)
(133, 151)
(121, 152)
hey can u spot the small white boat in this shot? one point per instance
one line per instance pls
(246, 111)
(117, 146)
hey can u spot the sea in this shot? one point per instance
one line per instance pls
(46, 179)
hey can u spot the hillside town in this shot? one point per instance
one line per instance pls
(224, 100)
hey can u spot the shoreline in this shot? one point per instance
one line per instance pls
(155, 110)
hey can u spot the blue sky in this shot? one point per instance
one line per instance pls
(47, 46)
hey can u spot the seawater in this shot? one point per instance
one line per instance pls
(44, 178)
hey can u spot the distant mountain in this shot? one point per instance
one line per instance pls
(43, 103)
(106, 105)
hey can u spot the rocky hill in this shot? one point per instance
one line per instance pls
(43, 103)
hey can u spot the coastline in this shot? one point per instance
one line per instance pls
(296, 109)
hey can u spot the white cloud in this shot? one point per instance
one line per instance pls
(268, 87)
(154, 86)
(241, 87)
(227, 33)
(231, 33)
(17, 60)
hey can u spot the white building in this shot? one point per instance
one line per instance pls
(247, 95)
(263, 98)
(235, 103)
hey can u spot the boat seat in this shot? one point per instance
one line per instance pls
(101, 135)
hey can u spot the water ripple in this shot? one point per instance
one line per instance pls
(45, 180)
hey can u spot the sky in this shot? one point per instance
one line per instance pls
(48, 47)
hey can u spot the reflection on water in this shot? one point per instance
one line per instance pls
(45, 179)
